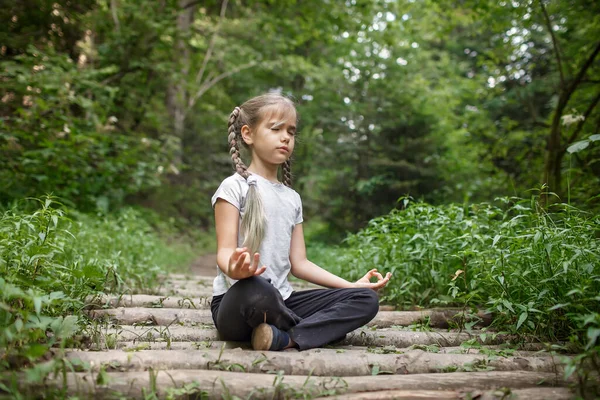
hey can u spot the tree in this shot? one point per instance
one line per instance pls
(538, 58)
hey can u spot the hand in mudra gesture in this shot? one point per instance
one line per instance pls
(365, 281)
(242, 265)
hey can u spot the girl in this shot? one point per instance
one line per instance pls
(259, 219)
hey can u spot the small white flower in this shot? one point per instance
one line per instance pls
(112, 119)
(66, 129)
(570, 119)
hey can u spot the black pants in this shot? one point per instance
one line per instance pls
(312, 318)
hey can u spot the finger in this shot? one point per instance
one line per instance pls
(254, 265)
(383, 282)
(235, 256)
(255, 260)
(379, 284)
(245, 261)
(378, 275)
(369, 274)
(239, 260)
(237, 252)
(260, 270)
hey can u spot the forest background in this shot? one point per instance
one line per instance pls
(118, 109)
(112, 103)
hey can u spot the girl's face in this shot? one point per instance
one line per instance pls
(272, 140)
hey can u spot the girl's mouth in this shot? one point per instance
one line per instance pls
(284, 148)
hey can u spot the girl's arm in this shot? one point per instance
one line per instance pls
(304, 269)
(237, 263)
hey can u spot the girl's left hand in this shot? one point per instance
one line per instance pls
(365, 281)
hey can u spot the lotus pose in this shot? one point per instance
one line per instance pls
(260, 241)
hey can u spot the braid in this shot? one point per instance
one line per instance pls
(287, 173)
(253, 222)
(234, 149)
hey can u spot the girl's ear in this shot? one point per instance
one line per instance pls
(246, 134)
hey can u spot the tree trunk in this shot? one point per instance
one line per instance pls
(555, 149)
(187, 316)
(316, 362)
(359, 337)
(219, 384)
(177, 95)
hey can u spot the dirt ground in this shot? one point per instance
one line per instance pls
(204, 265)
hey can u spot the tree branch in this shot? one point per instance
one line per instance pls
(113, 10)
(211, 45)
(585, 118)
(554, 42)
(564, 100)
(209, 84)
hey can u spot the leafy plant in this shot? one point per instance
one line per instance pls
(536, 268)
(52, 260)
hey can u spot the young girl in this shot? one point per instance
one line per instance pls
(260, 241)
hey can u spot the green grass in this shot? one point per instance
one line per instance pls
(536, 268)
(52, 259)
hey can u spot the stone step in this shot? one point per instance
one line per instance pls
(192, 289)
(406, 338)
(133, 346)
(359, 337)
(166, 345)
(541, 393)
(156, 301)
(317, 362)
(168, 316)
(150, 301)
(523, 350)
(182, 291)
(224, 384)
(178, 279)
(187, 277)
(207, 281)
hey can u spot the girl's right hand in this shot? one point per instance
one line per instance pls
(242, 265)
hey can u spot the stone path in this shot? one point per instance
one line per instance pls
(163, 344)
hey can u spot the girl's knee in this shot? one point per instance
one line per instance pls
(370, 301)
(254, 289)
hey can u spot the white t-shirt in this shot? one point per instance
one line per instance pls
(283, 211)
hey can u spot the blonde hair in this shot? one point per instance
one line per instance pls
(251, 113)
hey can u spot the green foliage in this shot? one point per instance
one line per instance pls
(439, 100)
(63, 140)
(52, 260)
(536, 268)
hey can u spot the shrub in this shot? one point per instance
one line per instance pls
(52, 259)
(536, 268)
